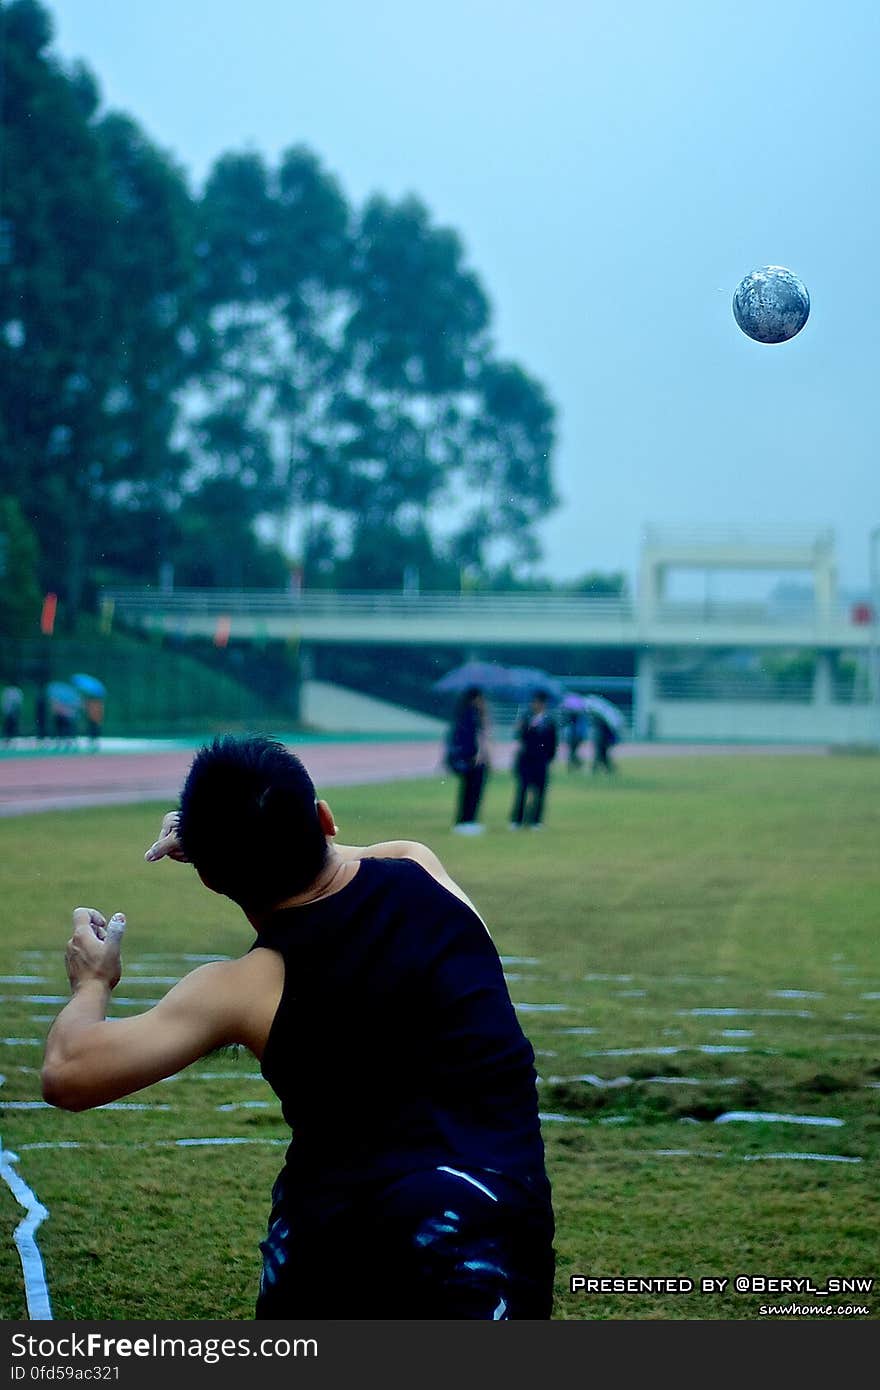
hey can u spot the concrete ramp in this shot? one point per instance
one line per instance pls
(336, 709)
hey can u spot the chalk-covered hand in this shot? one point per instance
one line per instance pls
(168, 845)
(93, 952)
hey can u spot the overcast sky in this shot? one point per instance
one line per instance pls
(614, 168)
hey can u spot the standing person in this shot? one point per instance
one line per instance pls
(604, 739)
(93, 707)
(369, 958)
(536, 732)
(467, 755)
(10, 707)
(575, 732)
(41, 715)
(63, 721)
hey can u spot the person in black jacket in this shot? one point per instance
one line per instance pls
(536, 732)
(467, 755)
(604, 739)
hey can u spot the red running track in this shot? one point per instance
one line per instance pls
(66, 781)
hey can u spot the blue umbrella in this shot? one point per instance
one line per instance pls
(487, 675)
(64, 695)
(89, 685)
(524, 681)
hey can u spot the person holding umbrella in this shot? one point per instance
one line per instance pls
(93, 692)
(536, 733)
(64, 706)
(607, 722)
(467, 756)
(11, 700)
(575, 727)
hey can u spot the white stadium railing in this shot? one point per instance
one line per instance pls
(322, 603)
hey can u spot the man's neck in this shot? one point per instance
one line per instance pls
(335, 873)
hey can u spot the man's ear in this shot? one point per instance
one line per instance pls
(326, 820)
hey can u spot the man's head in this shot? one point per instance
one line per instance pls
(250, 823)
(539, 701)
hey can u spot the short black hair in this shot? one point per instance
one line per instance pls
(249, 821)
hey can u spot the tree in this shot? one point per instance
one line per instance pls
(599, 585)
(19, 588)
(353, 351)
(215, 544)
(95, 302)
(174, 371)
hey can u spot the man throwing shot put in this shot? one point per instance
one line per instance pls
(374, 999)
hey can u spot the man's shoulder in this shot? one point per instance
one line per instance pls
(412, 850)
(389, 850)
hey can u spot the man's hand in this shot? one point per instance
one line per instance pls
(168, 845)
(93, 952)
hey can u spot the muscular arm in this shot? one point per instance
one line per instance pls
(90, 1060)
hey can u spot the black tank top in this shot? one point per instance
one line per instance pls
(395, 1045)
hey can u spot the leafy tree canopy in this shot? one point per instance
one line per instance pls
(175, 368)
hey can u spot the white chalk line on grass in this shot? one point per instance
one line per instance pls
(614, 1082)
(812, 1158)
(796, 993)
(544, 1008)
(111, 1105)
(35, 1287)
(150, 1143)
(770, 1117)
(212, 1076)
(248, 1105)
(744, 1158)
(709, 1049)
(546, 1116)
(744, 1013)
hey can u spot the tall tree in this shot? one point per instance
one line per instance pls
(172, 372)
(353, 350)
(94, 305)
(19, 588)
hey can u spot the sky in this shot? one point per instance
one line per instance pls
(614, 167)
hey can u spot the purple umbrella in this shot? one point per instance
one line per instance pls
(605, 710)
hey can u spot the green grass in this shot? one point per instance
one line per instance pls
(707, 883)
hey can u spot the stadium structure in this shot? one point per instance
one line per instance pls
(798, 667)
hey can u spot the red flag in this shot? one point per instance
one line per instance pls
(222, 630)
(47, 617)
(862, 614)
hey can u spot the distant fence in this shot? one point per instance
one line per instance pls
(150, 690)
(141, 604)
(844, 688)
(321, 602)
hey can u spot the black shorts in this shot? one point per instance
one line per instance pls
(438, 1243)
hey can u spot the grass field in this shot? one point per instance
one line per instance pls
(701, 933)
